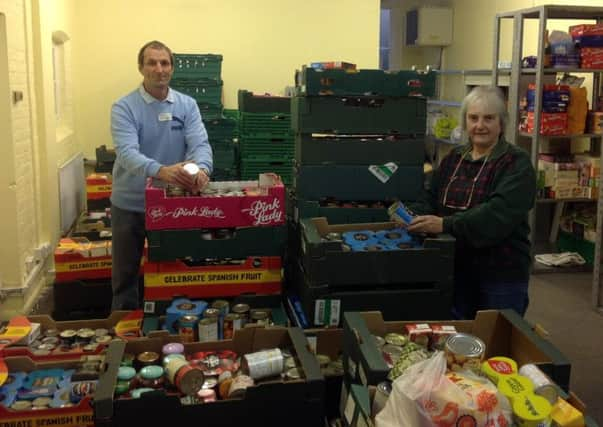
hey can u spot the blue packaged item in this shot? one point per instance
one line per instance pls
(47, 378)
(7, 396)
(61, 397)
(399, 213)
(359, 238)
(591, 41)
(181, 307)
(395, 239)
(14, 381)
(371, 247)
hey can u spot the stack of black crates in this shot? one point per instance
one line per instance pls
(359, 145)
(266, 140)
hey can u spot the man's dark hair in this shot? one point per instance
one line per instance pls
(155, 45)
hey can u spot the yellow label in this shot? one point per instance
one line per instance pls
(66, 267)
(15, 332)
(128, 325)
(211, 278)
(98, 188)
(70, 419)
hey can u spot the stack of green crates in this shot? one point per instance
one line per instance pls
(223, 137)
(266, 140)
(199, 76)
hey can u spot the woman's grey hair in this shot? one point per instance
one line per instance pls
(492, 97)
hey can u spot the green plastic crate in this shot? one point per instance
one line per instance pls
(567, 242)
(251, 168)
(202, 90)
(230, 113)
(276, 146)
(210, 111)
(221, 128)
(365, 82)
(250, 103)
(225, 156)
(225, 174)
(359, 151)
(167, 245)
(265, 123)
(195, 66)
(359, 115)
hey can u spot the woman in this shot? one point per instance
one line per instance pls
(481, 194)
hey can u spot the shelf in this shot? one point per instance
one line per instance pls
(443, 103)
(577, 199)
(563, 70)
(580, 135)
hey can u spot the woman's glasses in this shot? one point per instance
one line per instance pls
(449, 204)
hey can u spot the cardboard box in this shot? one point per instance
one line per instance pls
(265, 208)
(80, 415)
(504, 332)
(163, 280)
(273, 402)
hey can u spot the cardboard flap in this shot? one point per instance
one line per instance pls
(18, 328)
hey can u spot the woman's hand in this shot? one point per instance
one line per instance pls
(429, 224)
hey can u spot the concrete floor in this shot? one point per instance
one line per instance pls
(561, 304)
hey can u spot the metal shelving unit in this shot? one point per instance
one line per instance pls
(542, 14)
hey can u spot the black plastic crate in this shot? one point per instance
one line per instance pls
(251, 103)
(358, 150)
(98, 204)
(195, 66)
(81, 299)
(356, 182)
(167, 245)
(314, 82)
(359, 114)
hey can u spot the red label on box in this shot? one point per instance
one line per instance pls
(265, 207)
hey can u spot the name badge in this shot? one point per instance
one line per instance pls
(165, 117)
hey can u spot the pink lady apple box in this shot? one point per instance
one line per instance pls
(222, 204)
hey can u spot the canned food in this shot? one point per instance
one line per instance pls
(50, 340)
(232, 322)
(85, 335)
(531, 410)
(68, 336)
(208, 329)
(185, 377)
(41, 402)
(151, 376)
(243, 311)
(187, 325)
(382, 392)
(101, 332)
(172, 348)
(147, 358)
(464, 351)
(222, 305)
(379, 341)
(238, 386)
(497, 367)
(293, 374)
(515, 386)
(260, 317)
(103, 339)
(51, 332)
(263, 364)
(543, 386)
(21, 405)
(207, 395)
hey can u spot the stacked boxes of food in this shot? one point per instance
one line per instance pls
(359, 145)
(199, 76)
(224, 242)
(554, 118)
(568, 176)
(266, 140)
(589, 39)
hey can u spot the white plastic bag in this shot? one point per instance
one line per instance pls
(425, 396)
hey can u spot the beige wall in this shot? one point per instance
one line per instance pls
(262, 42)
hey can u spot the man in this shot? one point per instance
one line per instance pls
(155, 130)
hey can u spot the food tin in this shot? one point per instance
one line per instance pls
(531, 410)
(208, 329)
(464, 351)
(260, 317)
(232, 322)
(515, 386)
(497, 367)
(147, 358)
(221, 305)
(213, 312)
(243, 311)
(263, 364)
(187, 327)
(185, 377)
(172, 348)
(238, 386)
(382, 393)
(396, 339)
(543, 386)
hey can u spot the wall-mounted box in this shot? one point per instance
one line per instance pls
(429, 26)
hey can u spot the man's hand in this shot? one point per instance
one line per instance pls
(201, 180)
(175, 174)
(429, 224)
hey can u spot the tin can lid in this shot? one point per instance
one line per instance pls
(211, 312)
(188, 318)
(293, 374)
(380, 341)
(465, 345)
(240, 308)
(21, 405)
(137, 392)
(148, 357)
(172, 356)
(125, 373)
(396, 339)
(259, 315)
(173, 348)
(151, 372)
(323, 360)
(67, 333)
(41, 401)
(531, 407)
